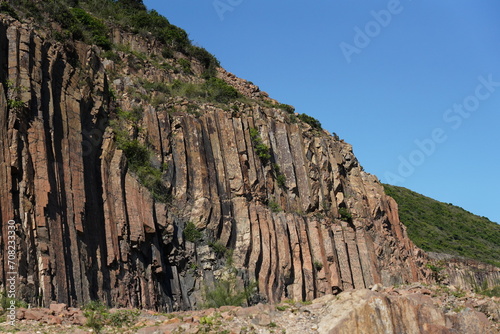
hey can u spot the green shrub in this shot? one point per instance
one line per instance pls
(136, 153)
(261, 149)
(229, 257)
(218, 90)
(286, 107)
(6, 302)
(151, 178)
(209, 62)
(493, 292)
(15, 104)
(318, 265)
(313, 122)
(213, 90)
(122, 318)
(97, 29)
(345, 215)
(7, 9)
(186, 89)
(226, 292)
(185, 65)
(280, 177)
(191, 233)
(133, 115)
(111, 56)
(130, 14)
(152, 86)
(219, 248)
(13, 92)
(274, 206)
(174, 37)
(132, 4)
(436, 269)
(281, 180)
(138, 158)
(97, 315)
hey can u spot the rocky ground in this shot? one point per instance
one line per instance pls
(414, 308)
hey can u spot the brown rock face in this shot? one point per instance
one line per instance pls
(87, 228)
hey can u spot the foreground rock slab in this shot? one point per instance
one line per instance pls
(411, 309)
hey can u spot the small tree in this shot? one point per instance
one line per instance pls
(191, 233)
(132, 4)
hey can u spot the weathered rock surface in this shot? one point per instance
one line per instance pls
(88, 229)
(465, 273)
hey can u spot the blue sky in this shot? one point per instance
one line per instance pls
(414, 86)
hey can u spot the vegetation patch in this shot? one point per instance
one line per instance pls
(219, 248)
(218, 90)
(444, 228)
(98, 31)
(345, 215)
(98, 316)
(7, 9)
(185, 65)
(88, 20)
(139, 155)
(286, 107)
(111, 55)
(313, 122)
(274, 206)
(279, 176)
(262, 150)
(191, 233)
(6, 302)
(436, 269)
(14, 101)
(318, 265)
(227, 292)
(493, 292)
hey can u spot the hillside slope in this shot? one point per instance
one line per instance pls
(444, 228)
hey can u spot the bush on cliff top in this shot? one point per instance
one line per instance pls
(88, 20)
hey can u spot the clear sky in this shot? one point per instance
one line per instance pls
(414, 86)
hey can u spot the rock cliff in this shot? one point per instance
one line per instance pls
(277, 205)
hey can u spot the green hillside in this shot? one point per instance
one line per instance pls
(445, 228)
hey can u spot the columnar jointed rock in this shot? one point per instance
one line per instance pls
(307, 223)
